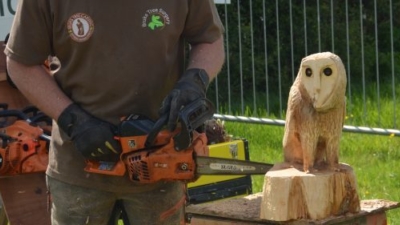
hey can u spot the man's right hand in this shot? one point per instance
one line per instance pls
(93, 138)
(189, 88)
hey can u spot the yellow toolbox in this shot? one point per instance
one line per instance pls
(213, 187)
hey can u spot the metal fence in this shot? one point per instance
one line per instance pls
(265, 41)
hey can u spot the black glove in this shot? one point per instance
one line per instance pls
(192, 86)
(93, 138)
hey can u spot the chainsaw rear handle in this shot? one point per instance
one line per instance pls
(13, 113)
(190, 118)
(158, 125)
(30, 110)
(30, 114)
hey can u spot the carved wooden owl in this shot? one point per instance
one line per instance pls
(315, 112)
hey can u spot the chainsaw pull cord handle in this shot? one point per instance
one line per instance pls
(151, 137)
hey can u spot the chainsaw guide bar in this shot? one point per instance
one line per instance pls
(221, 166)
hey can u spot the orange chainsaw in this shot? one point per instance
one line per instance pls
(151, 153)
(23, 145)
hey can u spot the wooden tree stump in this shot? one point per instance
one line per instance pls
(291, 194)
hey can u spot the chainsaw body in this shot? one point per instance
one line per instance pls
(162, 162)
(150, 153)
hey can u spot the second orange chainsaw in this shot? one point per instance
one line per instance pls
(23, 143)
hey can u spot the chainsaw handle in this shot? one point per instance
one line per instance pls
(192, 117)
(151, 137)
(13, 112)
(31, 110)
(41, 117)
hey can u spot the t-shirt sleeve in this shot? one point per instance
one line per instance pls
(203, 24)
(30, 36)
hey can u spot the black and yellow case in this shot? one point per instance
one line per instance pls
(213, 187)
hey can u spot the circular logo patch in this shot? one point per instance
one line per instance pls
(80, 27)
(155, 19)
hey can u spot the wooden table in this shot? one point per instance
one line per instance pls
(25, 199)
(245, 211)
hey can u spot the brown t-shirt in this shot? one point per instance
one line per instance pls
(117, 58)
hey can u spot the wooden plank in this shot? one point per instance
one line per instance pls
(377, 219)
(25, 199)
(248, 209)
(199, 220)
(372, 219)
(12, 96)
(2, 58)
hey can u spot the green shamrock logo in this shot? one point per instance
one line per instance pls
(155, 22)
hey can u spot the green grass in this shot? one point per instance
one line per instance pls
(375, 159)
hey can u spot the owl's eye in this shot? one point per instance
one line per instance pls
(328, 71)
(308, 72)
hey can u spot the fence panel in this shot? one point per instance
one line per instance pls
(266, 39)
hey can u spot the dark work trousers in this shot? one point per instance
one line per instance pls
(71, 204)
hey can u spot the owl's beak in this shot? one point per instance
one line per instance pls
(319, 106)
(319, 102)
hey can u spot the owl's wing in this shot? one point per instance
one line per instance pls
(344, 111)
(293, 105)
(294, 101)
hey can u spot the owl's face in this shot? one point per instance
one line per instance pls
(321, 78)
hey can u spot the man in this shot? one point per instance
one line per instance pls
(117, 58)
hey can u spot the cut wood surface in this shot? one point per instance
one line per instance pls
(246, 210)
(25, 199)
(291, 194)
